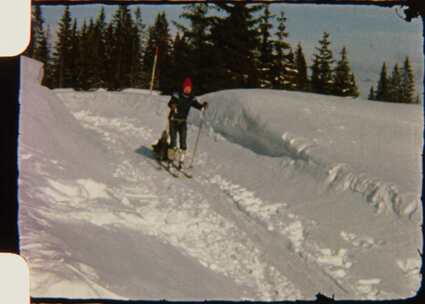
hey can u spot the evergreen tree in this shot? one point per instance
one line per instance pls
(408, 83)
(235, 44)
(354, 90)
(198, 41)
(61, 68)
(96, 40)
(315, 82)
(137, 79)
(322, 80)
(180, 59)
(43, 52)
(396, 89)
(344, 81)
(84, 58)
(382, 93)
(37, 30)
(418, 101)
(39, 47)
(284, 68)
(159, 36)
(301, 67)
(122, 50)
(266, 49)
(372, 94)
(74, 55)
(109, 57)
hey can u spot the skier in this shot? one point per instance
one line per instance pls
(180, 104)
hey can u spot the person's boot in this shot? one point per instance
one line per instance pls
(181, 159)
(171, 156)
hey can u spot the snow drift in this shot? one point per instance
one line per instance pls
(293, 194)
(352, 143)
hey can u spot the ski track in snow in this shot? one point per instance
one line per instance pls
(184, 219)
(274, 217)
(145, 200)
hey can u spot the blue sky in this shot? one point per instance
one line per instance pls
(371, 34)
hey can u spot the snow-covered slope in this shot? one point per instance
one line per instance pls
(360, 145)
(293, 194)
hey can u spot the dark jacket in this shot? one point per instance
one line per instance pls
(183, 104)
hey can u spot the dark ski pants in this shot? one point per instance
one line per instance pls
(179, 127)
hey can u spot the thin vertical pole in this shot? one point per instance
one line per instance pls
(154, 68)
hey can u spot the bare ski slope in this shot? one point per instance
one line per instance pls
(293, 194)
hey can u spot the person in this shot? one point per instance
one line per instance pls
(180, 105)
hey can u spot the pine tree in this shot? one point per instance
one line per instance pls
(235, 43)
(266, 49)
(408, 83)
(97, 41)
(37, 30)
(39, 47)
(301, 67)
(137, 78)
(121, 56)
(382, 93)
(284, 69)
(198, 41)
(44, 53)
(354, 90)
(84, 58)
(372, 94)
(109, 57)
(396, 89)
(180, 59)
(61, 69)
(322, 80)
(343, 79)
(74, 54)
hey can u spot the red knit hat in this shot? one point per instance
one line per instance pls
(187, 83)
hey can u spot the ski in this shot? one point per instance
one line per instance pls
(168, 169)
(183, 171)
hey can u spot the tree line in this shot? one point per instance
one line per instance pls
(238, 48)
(397, 87)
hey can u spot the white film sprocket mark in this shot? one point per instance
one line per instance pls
(15, 27)
(14, 279)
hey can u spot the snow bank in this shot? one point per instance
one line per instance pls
(141, 91)
(46, 125)
(372, 148)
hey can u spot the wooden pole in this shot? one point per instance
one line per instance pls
(154, 68)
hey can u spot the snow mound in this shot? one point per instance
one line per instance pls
(331, 135)
(46, 125)
(63, 89)
(141, 91)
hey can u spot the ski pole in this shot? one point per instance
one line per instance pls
(197, 139)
